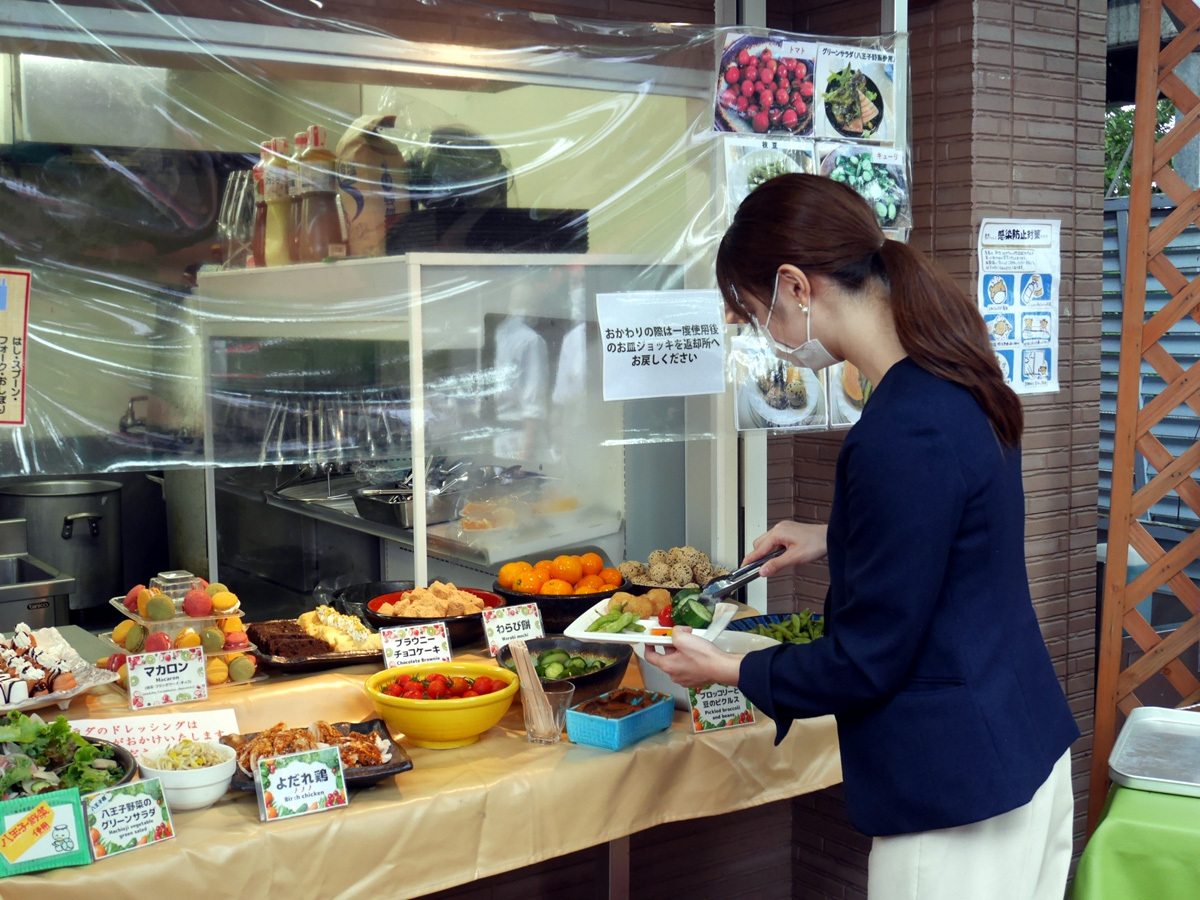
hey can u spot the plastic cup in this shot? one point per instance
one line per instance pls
(559, 697)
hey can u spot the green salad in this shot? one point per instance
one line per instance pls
(41, 757)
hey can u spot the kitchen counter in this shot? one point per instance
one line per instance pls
(460, 815)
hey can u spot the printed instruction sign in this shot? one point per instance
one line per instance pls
(506, 624)
(410, 644)
(127, 817)
(44, 831)
(1020, 265)
(152, 733)
(14, 335)
(719, 706)
(172, 676)
(662, 343)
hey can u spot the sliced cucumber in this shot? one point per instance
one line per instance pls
(693, 613)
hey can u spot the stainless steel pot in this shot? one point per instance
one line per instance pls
(75, 525)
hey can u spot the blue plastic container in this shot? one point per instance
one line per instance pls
(613, 734)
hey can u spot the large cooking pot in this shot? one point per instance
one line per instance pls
(75, 525)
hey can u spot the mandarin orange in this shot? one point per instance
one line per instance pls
(592, 563)
(612, 577)
(567, 568)
(557, 587)
(509, 571)
(529, 582)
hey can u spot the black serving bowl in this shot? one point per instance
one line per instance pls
(590, 684)
(558, 610)
(368, 597)
(120, 756)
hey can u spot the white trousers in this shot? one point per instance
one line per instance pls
(1023, 854)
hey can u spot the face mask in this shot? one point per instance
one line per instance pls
(811, 354)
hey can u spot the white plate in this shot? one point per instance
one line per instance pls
(739, 174)
(86, 675)
(766, 416)
(722, 616)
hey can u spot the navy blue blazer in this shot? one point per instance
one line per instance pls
(948, 708)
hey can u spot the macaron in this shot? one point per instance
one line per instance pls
(231, 623)
(236, 640)
(224, 601)
(197, 604)
(215, 671)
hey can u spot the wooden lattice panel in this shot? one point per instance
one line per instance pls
(1116, 687)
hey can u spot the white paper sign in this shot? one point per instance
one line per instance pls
(403, 646)
(172, 676)
(662, 343)
(1020, 266)
(152, 733)
(510, 623)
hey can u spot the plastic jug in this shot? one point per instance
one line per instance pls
(321, 234)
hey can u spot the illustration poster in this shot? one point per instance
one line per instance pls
(1020, 267)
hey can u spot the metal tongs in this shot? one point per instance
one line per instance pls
(719, 588)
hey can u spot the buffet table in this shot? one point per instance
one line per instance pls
(460, 815)
(1144, 846)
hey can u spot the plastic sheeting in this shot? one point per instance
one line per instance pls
(487, 195)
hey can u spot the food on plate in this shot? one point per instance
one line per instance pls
(436, 601)
(876, 182)
(157, 641)
(357, 750)
(436, 686)
(486, 515)
(343, 633)
(44, 757)
(565, 574)
(686, 609)
(557, 663)
(766, 94)
(851, 102)
(197, 603)
(184, 755)
(768, 169)
(621, 702)
(29, 671)
(287, 639)
(665, 568)
(855, 386)
(799, 628)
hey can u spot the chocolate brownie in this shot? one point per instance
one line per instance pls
(285, 638)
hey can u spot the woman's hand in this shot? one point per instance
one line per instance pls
(804, 544)
(695, 662)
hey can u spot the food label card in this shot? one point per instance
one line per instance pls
(42, 832)
(510, 623)
(151, 733)
(127, 817)
(662, 343)
(172, 676)
(300, 783)
(14, 326)
(719, 706)
(415, 644)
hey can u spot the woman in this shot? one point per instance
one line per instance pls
(953, 728)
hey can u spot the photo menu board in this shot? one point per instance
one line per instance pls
(788, 103)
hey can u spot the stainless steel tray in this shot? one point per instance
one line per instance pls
(1158, 749)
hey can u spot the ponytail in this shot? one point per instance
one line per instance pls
(943, 333)
(826, 228)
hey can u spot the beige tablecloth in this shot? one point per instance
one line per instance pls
(459, 815)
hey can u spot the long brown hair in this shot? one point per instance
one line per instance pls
(825, 228)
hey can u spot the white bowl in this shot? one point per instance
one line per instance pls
(732, 641)
(194, 788)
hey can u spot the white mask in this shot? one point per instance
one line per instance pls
(811, 354)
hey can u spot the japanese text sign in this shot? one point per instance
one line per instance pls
(14, 327)
(172, 676)
(300, 783)
(509, 623)
(153, 733)
(42, 832)
(719, 706)
(127, 817)
(662, 343)
(415, 644)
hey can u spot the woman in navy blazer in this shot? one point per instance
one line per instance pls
(953, 727)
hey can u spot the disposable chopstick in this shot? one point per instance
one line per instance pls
(532, 694)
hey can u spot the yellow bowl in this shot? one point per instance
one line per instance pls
(439, 724)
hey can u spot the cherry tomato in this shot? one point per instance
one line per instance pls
(436, 676)
(482, 685)
(664, 617)
(458, 685)
(437, 690)
(471, 694)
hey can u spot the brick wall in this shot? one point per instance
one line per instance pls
(1008, 99)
